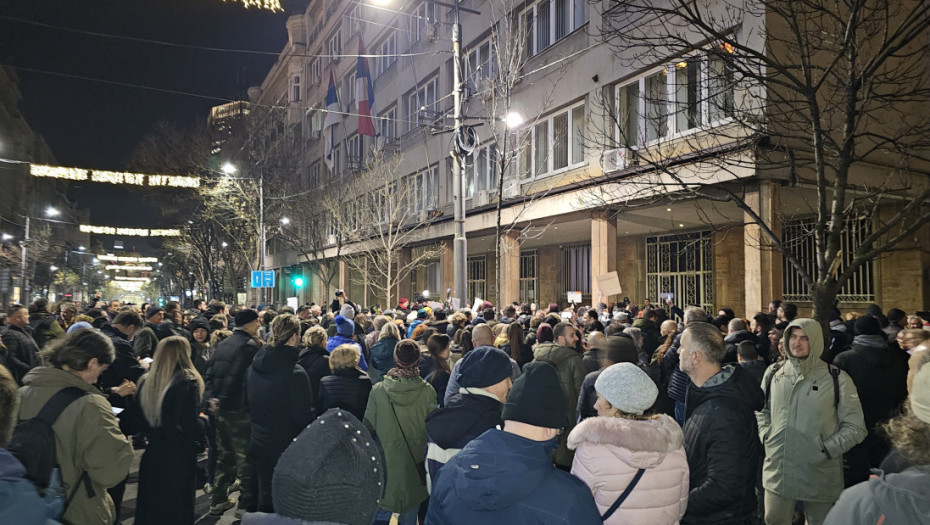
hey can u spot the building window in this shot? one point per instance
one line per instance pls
(798, 237)
(350, 90)
(295, 88)
(337, 164)
(693, 93)
(481, 172)
(354, 152)
(576, 268)
(481, 63)
(554, 144)
(335, 46)
(477, 274)
(315, 175)
(389, 124)
(315, 74)
(429, 183)
(545, 22)
(681, 265)
(422, 20)
(529, 284)
(316, 121)
(387, 52)
(421, 104)
(432, 273)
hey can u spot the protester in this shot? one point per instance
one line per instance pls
(90, 449)
(348, 387)
(169, 403)
(805, 436)
(507, 476)
(345, 335)
(279, 400)
(147, 339)
(22, 353)
(484, 382)
(315, 360)
(382, 353)
(44, 324)
(333, 473)
(396, 412)
(624, 451)
(439, 353)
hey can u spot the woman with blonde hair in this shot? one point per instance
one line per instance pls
(348, 386)
(168, 402)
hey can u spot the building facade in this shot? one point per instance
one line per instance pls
(585, 186)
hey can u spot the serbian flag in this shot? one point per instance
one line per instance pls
(364, 90)
(329, 123)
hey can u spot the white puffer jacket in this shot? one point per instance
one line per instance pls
(609, 451)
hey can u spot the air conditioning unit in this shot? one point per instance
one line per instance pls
(482, 197)
(331, 239)
(511, 189)
(615, 159)
(422, 215)
(432, 32)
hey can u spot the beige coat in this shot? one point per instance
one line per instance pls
(88, 439)
(609, 451)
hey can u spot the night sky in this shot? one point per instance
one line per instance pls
(95, 125)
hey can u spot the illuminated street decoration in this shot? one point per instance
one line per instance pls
(130, 232)
(132, 279)
(129, 268)
(124, 258)
(114, 177)
(271, 5)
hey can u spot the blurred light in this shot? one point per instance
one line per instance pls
(285, 221)
(513, 119)
(52, 212)
(53, 267)
(223, 245)
(81, 248)
(228, 168)
(6, 237)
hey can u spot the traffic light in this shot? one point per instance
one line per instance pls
(298, 281)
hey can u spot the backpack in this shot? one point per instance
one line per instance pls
(834, 373)
(33, 442)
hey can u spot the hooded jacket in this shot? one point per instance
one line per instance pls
(19, 500)
(449, 429)
(503, 478)
(412, 400)
(723, 448)
(382, 354)
(280, 401)
(609, 451)
(804, 435)
(892, 498)
(733, 340)
(87, 438)
(45, 327)
(568, 364)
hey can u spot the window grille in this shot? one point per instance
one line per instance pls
(798, 238)
(529, 283)
(682, 265)
(477, 275)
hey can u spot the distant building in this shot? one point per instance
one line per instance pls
(225, 122)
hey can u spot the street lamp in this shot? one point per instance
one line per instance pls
(285, 221)
(50, 211)
(513, 120)
(53, 268)
(6, 236)
(228, 168)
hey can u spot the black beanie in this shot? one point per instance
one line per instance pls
(868, 325)
(537, 398)
(622, 349)
(333, 472)
(245, 317)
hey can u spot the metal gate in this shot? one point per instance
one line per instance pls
(681, 265)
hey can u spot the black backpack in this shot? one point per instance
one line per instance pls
(33, 442)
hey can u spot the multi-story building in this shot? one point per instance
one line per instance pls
(606, 135)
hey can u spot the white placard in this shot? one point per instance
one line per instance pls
(574, 297)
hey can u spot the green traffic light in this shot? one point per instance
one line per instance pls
(298, 281)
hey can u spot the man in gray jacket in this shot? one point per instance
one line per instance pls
(811, 417)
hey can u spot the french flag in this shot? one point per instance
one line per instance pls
(329, 123)
(364, 90)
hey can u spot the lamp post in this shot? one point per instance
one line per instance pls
(228, 168)
(23, 282)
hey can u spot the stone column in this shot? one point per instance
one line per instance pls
(603, 252)
(763, 274)
(446, 269)
(343, 276)
(509, 287)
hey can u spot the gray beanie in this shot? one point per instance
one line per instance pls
(627, 388)
(347, 311)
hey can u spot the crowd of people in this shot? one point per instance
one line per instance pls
(520, 415)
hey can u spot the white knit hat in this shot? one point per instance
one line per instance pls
(627, 388)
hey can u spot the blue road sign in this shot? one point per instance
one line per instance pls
(263, 279)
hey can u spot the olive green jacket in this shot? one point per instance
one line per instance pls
(88, 439)
(413, 399)
(570, 368)
(804, 434)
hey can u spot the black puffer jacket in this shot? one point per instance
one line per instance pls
(226, 371)
(279, 400)
(346, 388)
(724, 452)
(678, 381)
(315, 361)
(125, 366)
(733, 340)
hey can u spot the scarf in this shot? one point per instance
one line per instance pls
(870, 340)
(405, 372)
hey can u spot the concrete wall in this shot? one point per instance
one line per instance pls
(729, 269)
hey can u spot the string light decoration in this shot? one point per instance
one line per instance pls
(129, 268)
(132, 279)
(271, 5)
(124, 258)
(129, 232)
(114, 177)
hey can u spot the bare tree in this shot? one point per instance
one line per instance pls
(382, 224)
(824, 94)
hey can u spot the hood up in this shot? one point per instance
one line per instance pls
(814, 333)
(272, 359)
(904, 497)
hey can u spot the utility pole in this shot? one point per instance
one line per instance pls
(23, 285)
(459, 245)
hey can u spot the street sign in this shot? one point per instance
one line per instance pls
(263, 279)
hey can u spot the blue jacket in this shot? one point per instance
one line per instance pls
(413, 326)
(503, 478)
(382, 354)
(19, 500)
(337, 340)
